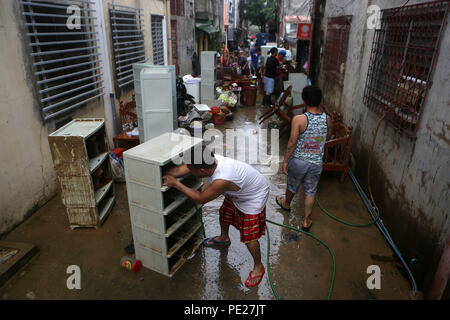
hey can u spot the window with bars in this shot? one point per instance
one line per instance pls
(174, 37)
(336, 47)
(157, 39)
(65, 61)
(127, 31)
(402, 58)
(177, 7)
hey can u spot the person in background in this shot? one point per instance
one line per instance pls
(254, 60)
(242, 62)
(259, 63)
(259, 67)
(271, 73)
(303, 159)
(279, 79)
(246, 192)
(225, 55)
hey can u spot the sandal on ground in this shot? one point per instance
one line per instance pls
(250, 277)
(306, 229)
(279, 203)
(215, 242)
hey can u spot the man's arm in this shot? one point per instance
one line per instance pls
(297, 126)
(214, 190)
(178, 171)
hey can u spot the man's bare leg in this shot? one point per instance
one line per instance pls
(223, 234)
(258, 267)
(286, 202)
(309, 202)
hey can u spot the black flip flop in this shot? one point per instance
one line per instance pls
(306, 229)
(281, 206)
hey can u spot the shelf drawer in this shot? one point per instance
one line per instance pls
(166, 247)
(150, 259)
(156, 200)
(163, 224)
(167, 266)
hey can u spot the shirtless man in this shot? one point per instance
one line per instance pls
(246, 192)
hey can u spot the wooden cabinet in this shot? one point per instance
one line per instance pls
(81, 161)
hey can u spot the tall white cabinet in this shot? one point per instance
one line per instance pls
(165, 224)
(156, 101)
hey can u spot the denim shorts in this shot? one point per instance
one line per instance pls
(269, 84)
(302, 172)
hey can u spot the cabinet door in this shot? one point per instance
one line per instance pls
(157, 102)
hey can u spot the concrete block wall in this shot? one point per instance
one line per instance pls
(410, 177)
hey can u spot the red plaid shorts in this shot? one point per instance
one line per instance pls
(251, 226)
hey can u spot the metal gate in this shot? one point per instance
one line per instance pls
(157, 39)
(173, 27)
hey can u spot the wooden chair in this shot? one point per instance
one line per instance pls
(128, 114)
(337, 149)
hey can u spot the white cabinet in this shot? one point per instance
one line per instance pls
(165, 223)
(209, 77)
(156, 100)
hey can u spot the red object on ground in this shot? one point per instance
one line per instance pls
(250, 96)
(217, 120)
(215, 110)
(131, 264)
(119, 152)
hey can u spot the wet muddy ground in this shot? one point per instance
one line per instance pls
(301, 267)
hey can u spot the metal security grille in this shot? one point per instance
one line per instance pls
(336, 47)
(401, 63)
(177, 7)
(173, 28)
(65, 60)
(157, 39)
(127, 31)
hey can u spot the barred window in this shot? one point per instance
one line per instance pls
(336, 47)
(127, 31)
(401, 63)
(64, 50)
(158, 39)
(177, 7)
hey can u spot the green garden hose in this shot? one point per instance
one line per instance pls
(345, 222)
(308, 234)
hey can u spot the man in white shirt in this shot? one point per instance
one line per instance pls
(246, 192)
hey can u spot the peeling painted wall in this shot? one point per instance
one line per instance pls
(26, 171)
(28, 180)
(410, 177)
